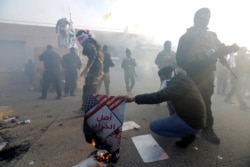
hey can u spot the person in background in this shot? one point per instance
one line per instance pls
(52, 71)
(62, 31)
(166, 56)
(222, 76)
(128, 65)
(237, 88)
(71, 63)
(189, 114)
(197, 53)
(30, 72)
(106, 69)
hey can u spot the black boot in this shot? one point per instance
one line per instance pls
(209, 135)
(185, 141)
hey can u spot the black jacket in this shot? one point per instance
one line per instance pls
(51, 60)
(71, 61)
(185, 97)
(197, 50)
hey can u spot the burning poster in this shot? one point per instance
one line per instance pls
(103, 122)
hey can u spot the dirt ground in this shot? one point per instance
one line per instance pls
(54, 137)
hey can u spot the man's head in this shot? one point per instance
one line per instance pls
(201, 18)
(49, 47)
(89, 44)
(166, 73)
(72, 50)
(128, 52)
(167, 45)
(105, 48)
(82, 35)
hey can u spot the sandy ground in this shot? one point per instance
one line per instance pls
(54, 137)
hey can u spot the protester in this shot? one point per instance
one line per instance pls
(106, 69)
(62, 31)
(188, 117)
(52, 71)
(222, 79)
(93, 72)
(237, 84)
(30, 72)
(128, 65)
(71, 63)
(197, 53)
(166, 56)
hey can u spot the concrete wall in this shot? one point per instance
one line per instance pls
(24, 38)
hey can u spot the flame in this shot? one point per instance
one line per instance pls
(93, 142)
(103, 157)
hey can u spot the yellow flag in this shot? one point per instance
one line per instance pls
(107, 16)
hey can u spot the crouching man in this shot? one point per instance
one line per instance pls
(189, 109)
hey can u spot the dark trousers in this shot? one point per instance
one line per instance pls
(49, 77)
(70, 81)
(205, 84)
(106, 80)
(236, 90)
(129, 81)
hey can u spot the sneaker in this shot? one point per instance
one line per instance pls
(72, 94)
(78, 112)
(66, 94)
(185, 141)
(210, 136)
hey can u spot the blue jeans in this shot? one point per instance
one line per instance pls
(172, 126)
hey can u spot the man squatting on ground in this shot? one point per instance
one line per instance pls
(189, 115)
(197, 53)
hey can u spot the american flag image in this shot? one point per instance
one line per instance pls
(104, 116)
(96, 101)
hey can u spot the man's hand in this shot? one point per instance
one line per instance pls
(127, 99)
(84, 72)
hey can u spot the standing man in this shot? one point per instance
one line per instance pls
(128, 65)
(52, 63)
(237, 85)
(93, 72)
(71, 63)
(197, 53)
(62, 31)
(30, 72)
(166, 56)
(106, 65)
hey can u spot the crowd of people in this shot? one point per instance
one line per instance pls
(188, 77)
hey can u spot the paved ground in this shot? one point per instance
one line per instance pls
(55, 139)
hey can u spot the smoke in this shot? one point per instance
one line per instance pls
(162, 19)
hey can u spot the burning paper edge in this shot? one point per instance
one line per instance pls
(86, 163)
(129, 125)
(149, 149)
